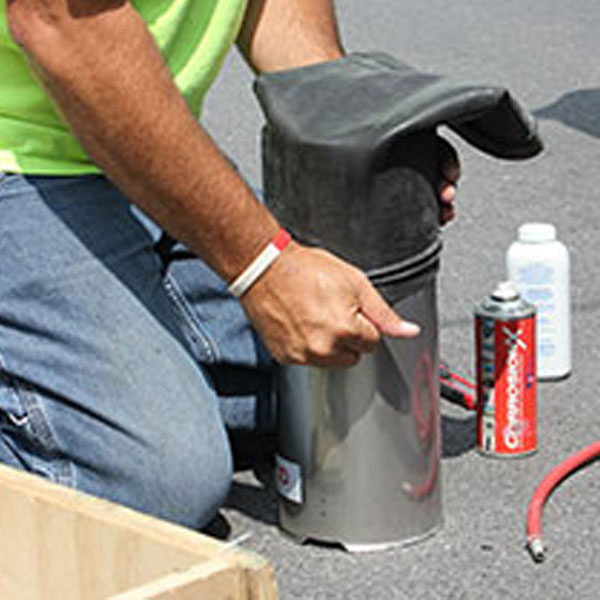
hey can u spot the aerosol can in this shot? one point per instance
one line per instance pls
(506, 374)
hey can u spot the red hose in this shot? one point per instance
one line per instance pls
(544, 489)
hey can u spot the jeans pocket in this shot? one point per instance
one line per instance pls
(26, 430)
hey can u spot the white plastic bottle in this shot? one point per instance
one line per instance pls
(538, 264)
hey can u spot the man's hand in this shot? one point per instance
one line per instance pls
(312, 308)
(450, 168)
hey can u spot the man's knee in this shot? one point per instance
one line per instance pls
(196, 485)
(185, 482)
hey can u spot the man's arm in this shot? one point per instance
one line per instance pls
(282, 34)
(104, 71)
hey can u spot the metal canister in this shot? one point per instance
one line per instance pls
(506, 374)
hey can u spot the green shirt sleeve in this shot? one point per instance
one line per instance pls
(194, 37)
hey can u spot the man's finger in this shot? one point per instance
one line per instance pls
(383, 317)
(366, 337)
(447, 193)
(449, 162)
(345, 357)
(447, 214)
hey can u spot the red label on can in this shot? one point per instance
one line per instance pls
(506, 386)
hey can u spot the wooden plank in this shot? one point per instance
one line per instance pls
(218, 579)
(215, 580)
(59, 543)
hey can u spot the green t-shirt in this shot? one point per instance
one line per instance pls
(194, 37)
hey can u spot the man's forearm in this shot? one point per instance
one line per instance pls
(282, 34)
(108, 78)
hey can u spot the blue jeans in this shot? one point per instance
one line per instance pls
(119, 357)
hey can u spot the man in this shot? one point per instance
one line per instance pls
(109, 354)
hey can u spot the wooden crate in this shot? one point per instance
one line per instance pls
(60, 544)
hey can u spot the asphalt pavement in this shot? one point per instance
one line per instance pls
(546, 52)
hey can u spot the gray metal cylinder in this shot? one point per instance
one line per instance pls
(359, 448)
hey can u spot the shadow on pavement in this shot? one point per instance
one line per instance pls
(579, 109)
(218, 528)
(458, 435)
(253, 491)
(257, 500)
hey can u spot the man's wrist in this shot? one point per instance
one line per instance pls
(254, 271)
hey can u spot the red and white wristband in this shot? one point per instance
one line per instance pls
(248, 277)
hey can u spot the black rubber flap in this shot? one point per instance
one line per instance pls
(351, 153)
(376, 96)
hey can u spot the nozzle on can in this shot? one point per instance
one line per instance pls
(505, 291)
